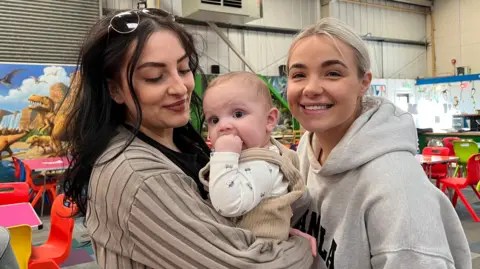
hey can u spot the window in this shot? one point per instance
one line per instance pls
(402, 100)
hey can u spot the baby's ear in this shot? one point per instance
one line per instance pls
(272, 119)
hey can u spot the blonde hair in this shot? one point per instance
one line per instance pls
(245, 78)
(336, 29)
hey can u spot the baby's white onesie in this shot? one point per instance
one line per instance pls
(236, 188)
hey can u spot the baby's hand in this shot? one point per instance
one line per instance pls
(228, 143)
(313, 242)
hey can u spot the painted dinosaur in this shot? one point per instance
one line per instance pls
(54, 127)
(59, 127)
(7, 140)
(44, 106)
(58, 135)
(55, 122)
(40, 141)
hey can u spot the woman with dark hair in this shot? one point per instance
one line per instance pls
(136, 157)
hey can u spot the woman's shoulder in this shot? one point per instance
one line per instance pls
(117, 177)
(394, 166)
(137, 158)
(395, 174)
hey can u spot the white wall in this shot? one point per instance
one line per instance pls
(267, 51)
(388, 60)
(456, 34)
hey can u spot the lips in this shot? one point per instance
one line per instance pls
(315, 107)
(177, 106)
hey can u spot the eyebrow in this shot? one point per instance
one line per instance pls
(231, 105)
(323, 65)
(159, 64)
(333, 62)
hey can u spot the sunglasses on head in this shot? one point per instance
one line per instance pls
(128, 21)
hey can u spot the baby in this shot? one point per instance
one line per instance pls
(252, 178)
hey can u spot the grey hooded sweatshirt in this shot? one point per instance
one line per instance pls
(372, 204)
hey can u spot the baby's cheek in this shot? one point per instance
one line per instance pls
(213, 136)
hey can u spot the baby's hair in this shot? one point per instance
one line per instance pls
(245, 78)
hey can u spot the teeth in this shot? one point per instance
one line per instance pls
(318, 107)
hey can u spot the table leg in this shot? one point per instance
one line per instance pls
(449, 190)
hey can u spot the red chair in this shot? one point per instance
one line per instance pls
(437, 171)
(459, 183)
(43, 264)
(38, 187)
(59, 242)
(447, 142)
(16, 165)
(13, 193)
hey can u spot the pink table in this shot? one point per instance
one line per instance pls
(431, 159)
(18, 214)
(47, 164)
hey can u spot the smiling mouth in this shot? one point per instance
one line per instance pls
(179, 103)
(317, 107)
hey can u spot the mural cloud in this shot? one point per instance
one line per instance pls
(39, 86)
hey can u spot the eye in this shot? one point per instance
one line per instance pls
(213, 120)
(298, 75)
(153, 80)
(238, 114)
(185, 71)
(333, 74)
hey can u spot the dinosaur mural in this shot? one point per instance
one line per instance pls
(31, 98)
(54, 125)
(59, 122)
(7, 140)
(43, 105)
(7, 79)
(44, 142)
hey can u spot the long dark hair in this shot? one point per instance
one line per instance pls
(94, 116)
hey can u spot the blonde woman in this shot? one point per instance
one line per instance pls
(373, 206)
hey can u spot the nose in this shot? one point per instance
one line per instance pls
(313, 88)
(177, 87)
(224, 127)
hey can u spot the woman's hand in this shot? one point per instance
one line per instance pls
(313, 241)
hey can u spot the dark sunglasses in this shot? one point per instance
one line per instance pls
(127, 22)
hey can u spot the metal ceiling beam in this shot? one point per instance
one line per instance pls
(247, 27)
(267, 29)
(423, 3)
(395, 41)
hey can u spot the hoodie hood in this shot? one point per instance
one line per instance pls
(380, 129)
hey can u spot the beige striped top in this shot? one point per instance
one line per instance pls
(144, 212)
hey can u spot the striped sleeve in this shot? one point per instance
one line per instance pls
(172, 227)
